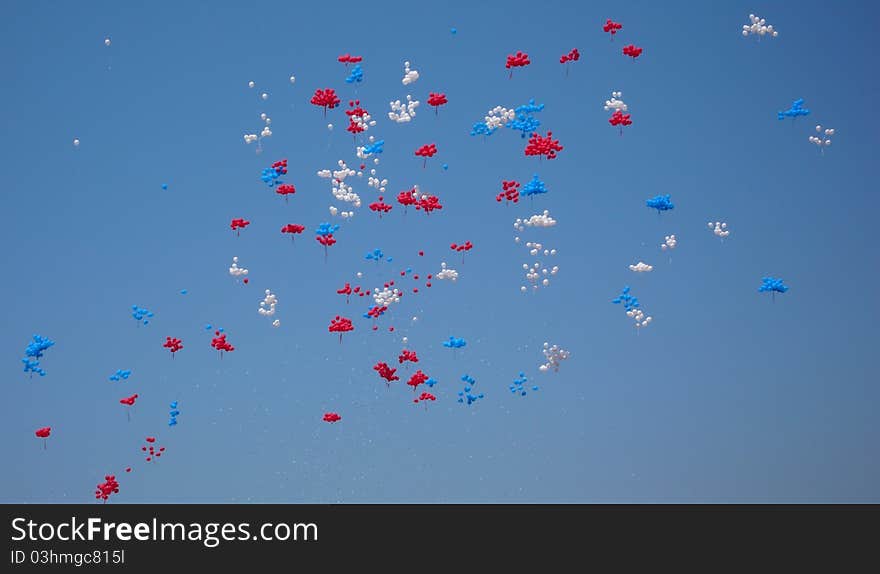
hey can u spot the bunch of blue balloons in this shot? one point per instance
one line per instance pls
(34, 351)
(356, 75)
(120, 374)
(455, 343)
(376, 147)
(141, 314)
(519, 385)
(374, 255)
(326, 229)
(660, 203)
(431, 382)
(466, 394)
(772, 285)
(271, 176)
(172, 415)
(629, 302)
(534, 187)
(525, 121)
(797, 109)
(482, 129)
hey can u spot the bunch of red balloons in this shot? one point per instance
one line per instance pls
(426, 151)
(632, 51)
(407, 355)
(280, 167)
(437, 100)
(129, 401)
(349, 59)
(466, 246)
(326, 240)
(380, 206)
(611, 27)
(425, 397)
(106, 488)
(518, 60)
(417, 379)
(428, 203)
(173, 344)
(355, 111)
(326, 99)
(238, 224)
(340, 325)
(406, 198)
(386, 372)
(332, 417)
(151, 449)
(219, 342)
(543, 146)
(572, 56)
(43, 432)
(293, 229)
(620, 119)
(285, 189)
(509, 191)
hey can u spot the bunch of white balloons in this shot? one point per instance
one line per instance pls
(758, 27)
(641, 320)
(403, 112)
(669, 242)
(235, 270)
(719, 228)
(641, 267)
(267, 305)
(554, 355)
(615, 103)
(364, 122)
(446, 273)
(822, 140)
(386, 296)
(536, 248)
(534, 274)
(334, 211)
(264, 133)
(409, 75)
(376, 183)
(537, 220)
(498, 117)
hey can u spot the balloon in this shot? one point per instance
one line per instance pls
(518, 60)
(496, 117)
(417, 379)
(107, 488)
(772, 285)
(554, 355)
(660, 203)
(641, 267)
(797, 109)
(326, 99)
(669, 242)
(409, 75)
(172, 344)
(356, 76)
(76, 142)
(524, 119)
(120, 375)
(821, 141)
(219, 342)
(238, 224)
(633, 308)
(141, 314)
(537, 220)
(611, 27)
(407, 355)
(172, 414)
(519, 384)
(446, 273)
(543, 146)
(719, 228)
(454, 343)
(268, 304)
(572, 56)
(534, 187)
(340, 325)
(758, 27)
(632, 51)
(332, 417)
(615, 103)
(437, 100)
(107, 41)
(403, 112)
(465, 395)
(235, 270)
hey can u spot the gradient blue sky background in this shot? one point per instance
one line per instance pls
(727, 396)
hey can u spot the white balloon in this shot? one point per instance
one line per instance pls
(106, 41)
(292, 79)
(251, 84)
(76, 142)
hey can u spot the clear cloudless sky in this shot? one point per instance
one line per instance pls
(728, 396)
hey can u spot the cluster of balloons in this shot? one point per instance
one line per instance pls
(402, 112)
(172, 414)
(543, 146)
(107, 488)
(632, 51)
(758, 26)
(235, 270)
(525, 120)
(359, 119)
(374, 255)
(173, 344)
(120, 375)
(509, 191)
(264, 133)
(374, 148)
(518, 60)
(772, 285)
(349, 59)
(660, 203)
(426, 151)
(219, 342)
(326, 99)
(537, 220)
(437, 100)
(447, 273)
(271, 175)
(356, 76)
(534, 273)
(237, 224)
(285, 189)
(620, 120)
(466, 246)
(151, 449)
(340, 325)
(332, 417)
(633, 308)
(454, 343)
(386, 372)
(821, 141)
(407, 355)
(669, 242)
(495, 118)
(425, 397)
(268, 305)
(386, 296)
(797, 109)
(465, 395)
(641, 267)
(519, 385)
(611, 27)
(409, 75)
(140, 314)
(572, 56)
(534, 187)
(417, 379)
(324, 235)
(380, 206)
(43, 433)
(34, 351)
(553, 355)
(293, 229)
(719, 228)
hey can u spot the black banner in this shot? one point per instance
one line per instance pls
(64, 538)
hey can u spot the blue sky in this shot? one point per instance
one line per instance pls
(727, 396)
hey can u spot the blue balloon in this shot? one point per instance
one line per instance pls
(660, 203)
(453, 31)
(164, 186)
